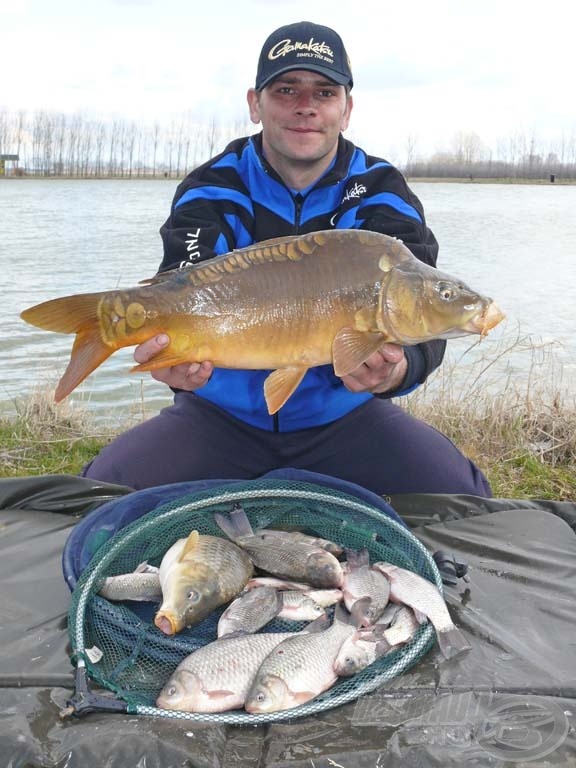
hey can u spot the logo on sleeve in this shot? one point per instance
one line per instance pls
(192, 248)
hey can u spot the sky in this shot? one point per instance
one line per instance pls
(424, 70)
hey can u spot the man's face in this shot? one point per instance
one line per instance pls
(302, 114)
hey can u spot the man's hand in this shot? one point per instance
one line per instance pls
(188, 376)
(384, 371)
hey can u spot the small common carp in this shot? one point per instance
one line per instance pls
(316, 541)
(360, 580)
(142, 584)
(300, 668)
(364, 648)
(256, 607)
(288, 558)
(425, 599)
(217, 677)
(250, 612)
(285, 304)
(197, 575)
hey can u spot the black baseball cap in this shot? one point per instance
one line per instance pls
(304, 45)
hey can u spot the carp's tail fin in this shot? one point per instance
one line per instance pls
(79, 315)
(236, 524)
(452, 642)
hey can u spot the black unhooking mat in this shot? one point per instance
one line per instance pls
(510, 701)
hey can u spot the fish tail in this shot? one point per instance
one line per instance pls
(452, 642)
(236, 524)
(79, 315)
(318, 625)
(68, 314)
(357, 558)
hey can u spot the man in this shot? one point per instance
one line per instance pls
(298, 175)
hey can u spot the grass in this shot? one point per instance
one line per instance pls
(523, 436)
(44, 438)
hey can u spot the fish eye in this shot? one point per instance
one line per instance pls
(193, 596)
(260, 696)
(171, 691)
(446, 291)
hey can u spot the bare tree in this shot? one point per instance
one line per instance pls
(4, 132)
(99, 143)
(128, 143)
(411, 142)
(155, 140)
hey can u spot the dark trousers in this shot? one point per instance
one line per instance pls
(378, 446)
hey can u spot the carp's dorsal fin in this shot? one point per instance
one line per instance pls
(280, 384)
(190, 546)
(288, 248)
(351, 348)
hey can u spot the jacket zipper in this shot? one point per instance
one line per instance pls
(298, 204)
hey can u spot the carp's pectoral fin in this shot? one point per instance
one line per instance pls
(88, 352)
(163, 359)
(351, 348)
(280, 385)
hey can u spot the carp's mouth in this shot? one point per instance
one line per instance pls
(486, 320)
(167, 623)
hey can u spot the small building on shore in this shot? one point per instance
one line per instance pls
(6, 167)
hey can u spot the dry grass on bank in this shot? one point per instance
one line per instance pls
(520, 431)
(45, 438)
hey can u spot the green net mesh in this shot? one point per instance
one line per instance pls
(125, 653)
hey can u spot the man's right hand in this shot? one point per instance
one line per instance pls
(187, 376)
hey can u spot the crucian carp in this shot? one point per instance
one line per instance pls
(285, 304)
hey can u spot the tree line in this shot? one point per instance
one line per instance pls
(78, 145)
(520, 156)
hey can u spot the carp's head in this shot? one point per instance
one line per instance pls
(188, 598)
(419, 303)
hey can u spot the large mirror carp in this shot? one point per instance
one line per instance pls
(285, 304)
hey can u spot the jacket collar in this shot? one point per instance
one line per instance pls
(338, 171)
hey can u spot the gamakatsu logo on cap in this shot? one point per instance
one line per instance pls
(285, 47)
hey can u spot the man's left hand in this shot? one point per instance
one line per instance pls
(383, 371)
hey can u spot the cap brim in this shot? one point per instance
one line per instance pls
(328, 73)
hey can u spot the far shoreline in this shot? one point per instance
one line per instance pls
(411, 179)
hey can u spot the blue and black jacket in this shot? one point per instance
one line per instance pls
(236, 199)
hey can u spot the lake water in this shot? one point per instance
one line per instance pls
(514, 243)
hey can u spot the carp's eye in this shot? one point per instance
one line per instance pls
(193, 596)
(260, 696)
(171, 691)
(446, 291)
